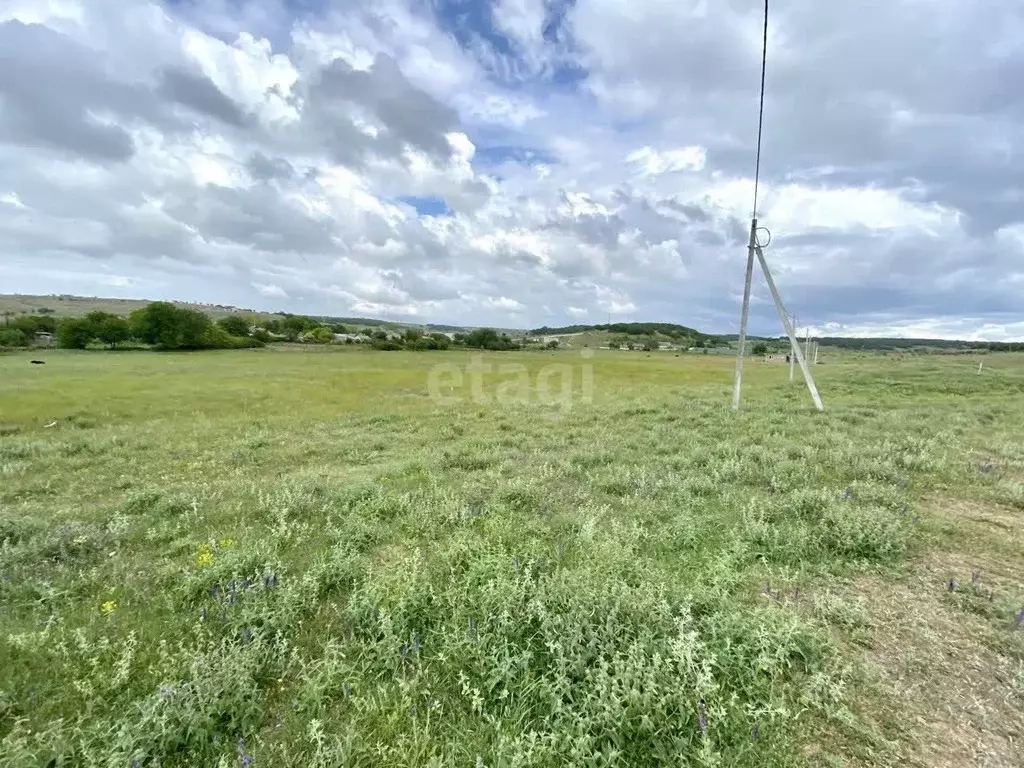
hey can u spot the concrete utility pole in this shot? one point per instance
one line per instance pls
(792, 356)
(744, 315)
(754, 249)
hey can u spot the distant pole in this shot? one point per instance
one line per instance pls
(816, 345)
(744, 316)
(980, 366)
(807, 343)
(792, 356)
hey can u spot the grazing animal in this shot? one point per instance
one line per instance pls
(37, 362)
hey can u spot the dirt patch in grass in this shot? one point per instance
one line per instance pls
(947, 658)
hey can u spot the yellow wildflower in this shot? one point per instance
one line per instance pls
(108, 607)
(204, 558)
(226, 543)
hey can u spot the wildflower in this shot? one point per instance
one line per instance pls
(951, 584)
(244, 758)
(702, 717)
(202, 614)
(756, 734)
(108, 607)
(226, 543)
(246, 636)
(904, 508)
(204, 557)
(847, 494)
(166, 691)
(347, 689)
(1020, 619)
(975, 576)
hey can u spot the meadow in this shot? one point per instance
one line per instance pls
(324, 557)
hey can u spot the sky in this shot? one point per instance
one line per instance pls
(520, 163)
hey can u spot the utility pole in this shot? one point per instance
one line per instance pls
(792, 356)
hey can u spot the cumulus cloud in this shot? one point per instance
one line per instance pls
(534, 162)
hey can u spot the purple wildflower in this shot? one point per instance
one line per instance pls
(975, 576)
(756, 734)
(1019, 620)
(244, 758)
(702, 717)
(951, 584)
(847, 494)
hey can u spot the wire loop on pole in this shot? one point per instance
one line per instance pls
(758, 242)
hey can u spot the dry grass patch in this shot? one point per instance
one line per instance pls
(947, 657)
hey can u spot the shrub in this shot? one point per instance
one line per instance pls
(236, 325)
(13, 337)
(320, 335)
(74, 333)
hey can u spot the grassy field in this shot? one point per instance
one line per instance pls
(337, 557)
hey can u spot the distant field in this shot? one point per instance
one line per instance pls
(76, 306)
(328, 557)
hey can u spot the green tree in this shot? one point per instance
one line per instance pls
(483, 338)
(236, 325)
(75, 333)
(650, 345)
(108, 328)
(760, 348)
(30, 325)
(195, 329)
(13, 337)
(320, 335)
(294, 326)
(164, 325)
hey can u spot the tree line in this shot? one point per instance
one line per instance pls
(166, 326)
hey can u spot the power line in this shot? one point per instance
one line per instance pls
(760, 119)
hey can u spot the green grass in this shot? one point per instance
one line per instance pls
(303, 557)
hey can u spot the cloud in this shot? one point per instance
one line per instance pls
(541, 160)
(270, 291)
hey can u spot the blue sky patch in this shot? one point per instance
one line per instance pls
(427, 205)
(508, 153)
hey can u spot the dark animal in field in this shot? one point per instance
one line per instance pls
(37, 362)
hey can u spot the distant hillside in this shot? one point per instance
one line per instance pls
(886, 344)
(667, 330)
(76, 306)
